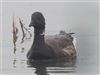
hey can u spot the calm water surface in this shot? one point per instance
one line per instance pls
(14, 60)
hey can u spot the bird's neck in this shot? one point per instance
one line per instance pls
(39, 40)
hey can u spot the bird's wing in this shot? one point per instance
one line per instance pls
(60, 43)
(57, 42)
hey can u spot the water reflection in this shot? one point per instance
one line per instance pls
(14, 49)
(44, 67)
(14, 63)
(41, 70)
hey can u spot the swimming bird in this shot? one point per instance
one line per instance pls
(49, 46)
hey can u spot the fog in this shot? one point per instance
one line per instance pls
(82, 18)
(79, 17)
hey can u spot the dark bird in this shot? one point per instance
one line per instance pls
(51, 46)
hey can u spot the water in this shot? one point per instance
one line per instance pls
(17, 64)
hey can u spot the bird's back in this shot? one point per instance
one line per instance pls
(61, 44)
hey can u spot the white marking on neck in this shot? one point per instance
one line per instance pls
(43, 33)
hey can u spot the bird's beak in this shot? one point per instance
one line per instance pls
(31, 24)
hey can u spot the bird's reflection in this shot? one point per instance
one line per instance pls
(41, 70)
(41, 65)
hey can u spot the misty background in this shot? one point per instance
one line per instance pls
(82, 18)
(79, 17)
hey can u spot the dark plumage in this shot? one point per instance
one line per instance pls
(49, 47)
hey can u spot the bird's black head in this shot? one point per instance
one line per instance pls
(37, 20)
